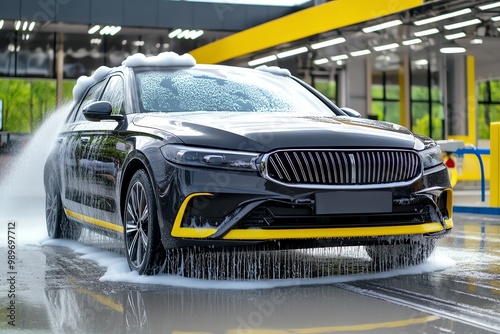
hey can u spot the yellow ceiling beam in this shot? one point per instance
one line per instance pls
(304, 23)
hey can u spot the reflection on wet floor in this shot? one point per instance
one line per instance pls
(76, 302)
(61, 291)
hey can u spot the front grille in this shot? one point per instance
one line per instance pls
(343, 167)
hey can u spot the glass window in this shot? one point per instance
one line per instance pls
(92, 95)
(113, 93)
(385, 96)
(243, 90)
(392, 85)
(420, 118)
(488, 106)
(326, 87)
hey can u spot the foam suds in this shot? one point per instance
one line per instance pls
(117, 270)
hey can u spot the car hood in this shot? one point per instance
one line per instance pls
(260, 132)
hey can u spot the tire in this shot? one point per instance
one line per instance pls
(143, 247)
(401, 254)
(58, 224)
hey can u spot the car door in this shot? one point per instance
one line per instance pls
(102, 151)
(71, 140)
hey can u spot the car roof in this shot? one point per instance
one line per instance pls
(162, 60)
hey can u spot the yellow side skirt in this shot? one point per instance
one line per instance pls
(94, 221)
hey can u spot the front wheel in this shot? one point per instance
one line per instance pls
(142, 235)
(58, 225)
(401, 253)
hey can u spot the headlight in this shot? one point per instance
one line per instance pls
(203, 157)
(431, 156)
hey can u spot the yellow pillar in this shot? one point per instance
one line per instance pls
(471, 100)
(495, 164)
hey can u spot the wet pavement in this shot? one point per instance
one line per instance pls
(57, 290)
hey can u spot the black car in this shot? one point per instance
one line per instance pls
(168, 154)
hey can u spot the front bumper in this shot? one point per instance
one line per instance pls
(227, 208)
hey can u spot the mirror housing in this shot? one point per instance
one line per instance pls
(100, 110)
(351, 112)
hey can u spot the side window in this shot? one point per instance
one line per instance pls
(113, 93)
(91, 96)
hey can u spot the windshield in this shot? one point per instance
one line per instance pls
(224, 89)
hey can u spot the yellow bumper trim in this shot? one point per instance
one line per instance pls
(262, 234)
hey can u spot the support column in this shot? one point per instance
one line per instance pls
(461, 91)
(404, 92)
(471, 101)
(495, 164)
(60, 67)
(356, 88)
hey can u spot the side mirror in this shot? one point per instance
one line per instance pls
(100, 110)
(351, 112)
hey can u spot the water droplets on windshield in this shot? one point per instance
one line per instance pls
(215, 90)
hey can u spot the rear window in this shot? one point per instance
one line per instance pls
(193, 89)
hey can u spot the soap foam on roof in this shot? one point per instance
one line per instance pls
(274, 70)
(162, 59)
(135, 60)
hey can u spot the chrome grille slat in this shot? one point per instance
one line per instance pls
(343, 167)
(287, 156)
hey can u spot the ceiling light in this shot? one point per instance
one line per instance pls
(412, 41)
(462, 24)
(292, 52)
(138, 43)
(476, 41)
(124, 42)
(175, 33)
(442, 17)
(426, 32)
(18, 25)
(455, 36)
(1, 24)
(32, 26)
(339, 57)
(452, 49)
(495, 18)
(115, 30)
(320, 61)
(421, 62)
(489, 6)
(25, 25)
(105, 30)
(381, 26)
(94, 29)
(360, 53)
(386, 47)
(262, 60)
(329, 42)
(196, 33)
(183, 34)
